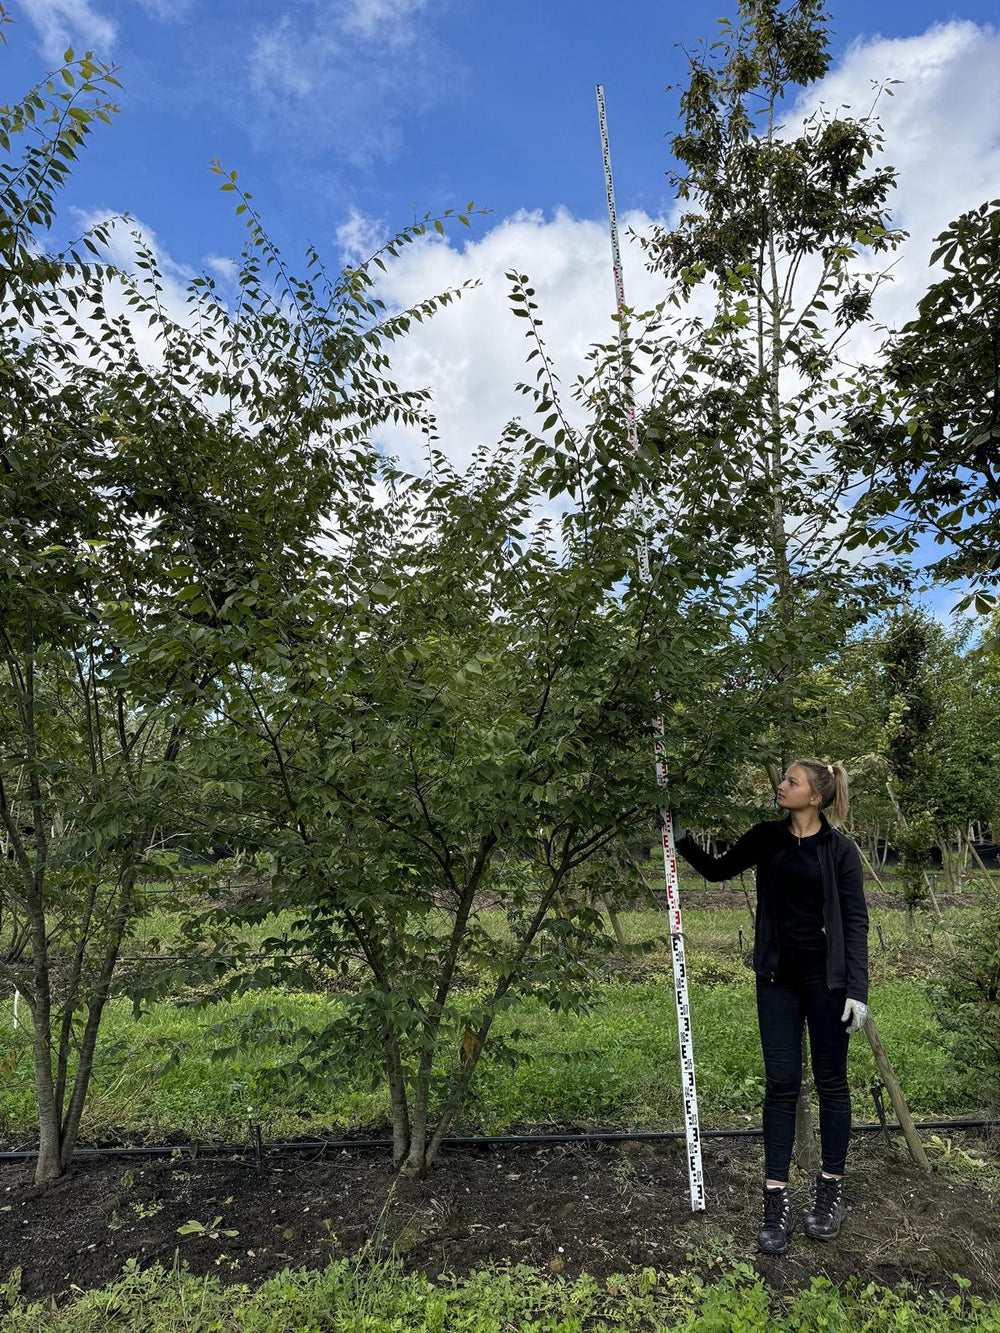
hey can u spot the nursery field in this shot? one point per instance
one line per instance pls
(202, 1072)
(565, 1235)
(336, 981)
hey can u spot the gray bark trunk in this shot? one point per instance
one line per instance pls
(805, 1139)
(397, 1095)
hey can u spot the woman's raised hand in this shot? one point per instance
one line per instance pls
(680, 831)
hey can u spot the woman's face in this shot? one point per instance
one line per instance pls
(794, 791)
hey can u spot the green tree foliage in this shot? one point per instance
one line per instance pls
(933, 458)
(912, 708)
(939, 738)
(164, 484)
(774, 239)
(967, 997)
(466, 725)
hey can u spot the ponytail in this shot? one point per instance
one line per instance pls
(829, 782)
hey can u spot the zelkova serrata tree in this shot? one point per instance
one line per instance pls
(770, 268)
(152, 501)
(928, 448)
(463, 725)
(766, 267)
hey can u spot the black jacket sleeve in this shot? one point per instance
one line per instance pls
(743, 854)
(854, 914)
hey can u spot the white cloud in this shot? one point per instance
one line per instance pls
(277, 64)
(942, 131)
(360, 236)
(342, 77)
(126, 236)
(386, 20)
(472, 354)
(63, 23)
(167, 9)
(80, 24)
(222, 266)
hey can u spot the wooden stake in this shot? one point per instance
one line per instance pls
(805, 1139)
(888, 1075)
(616, 924)
(868, 863)
(978, 859)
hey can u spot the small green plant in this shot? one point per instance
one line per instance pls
(382, 1298)
(144, 1211)
(213, 1230)
(949, 1151)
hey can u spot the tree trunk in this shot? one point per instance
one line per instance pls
(805, 1139)
(415, 1163)
(49, 1165)
(457, 1095)
(81, 1084)
(397, 1095)
(948, 867)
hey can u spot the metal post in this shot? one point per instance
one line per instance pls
(689, 1091)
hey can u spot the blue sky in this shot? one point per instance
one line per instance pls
(386, 106)
(346, 117)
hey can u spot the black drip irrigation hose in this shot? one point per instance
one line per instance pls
(462, 1141)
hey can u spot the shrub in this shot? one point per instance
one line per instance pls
(967, 996)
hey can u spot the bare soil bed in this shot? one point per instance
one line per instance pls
(603, 1209)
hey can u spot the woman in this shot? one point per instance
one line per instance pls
(811, 959)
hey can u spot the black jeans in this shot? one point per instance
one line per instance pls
(800, 995)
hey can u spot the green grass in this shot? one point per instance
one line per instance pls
(716, 930)
(351, 1297)
(621, 1064)
(132, 1090)
(617, 1064)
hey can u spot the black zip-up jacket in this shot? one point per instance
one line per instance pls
(845, 912)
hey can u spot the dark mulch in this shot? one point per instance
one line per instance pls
(601, 1210)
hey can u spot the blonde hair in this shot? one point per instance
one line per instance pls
(829, 782)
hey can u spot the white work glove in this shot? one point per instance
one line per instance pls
(680, 832)
(855, 1015)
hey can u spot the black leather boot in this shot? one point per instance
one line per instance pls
(829, 1210)
(776, 1229)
